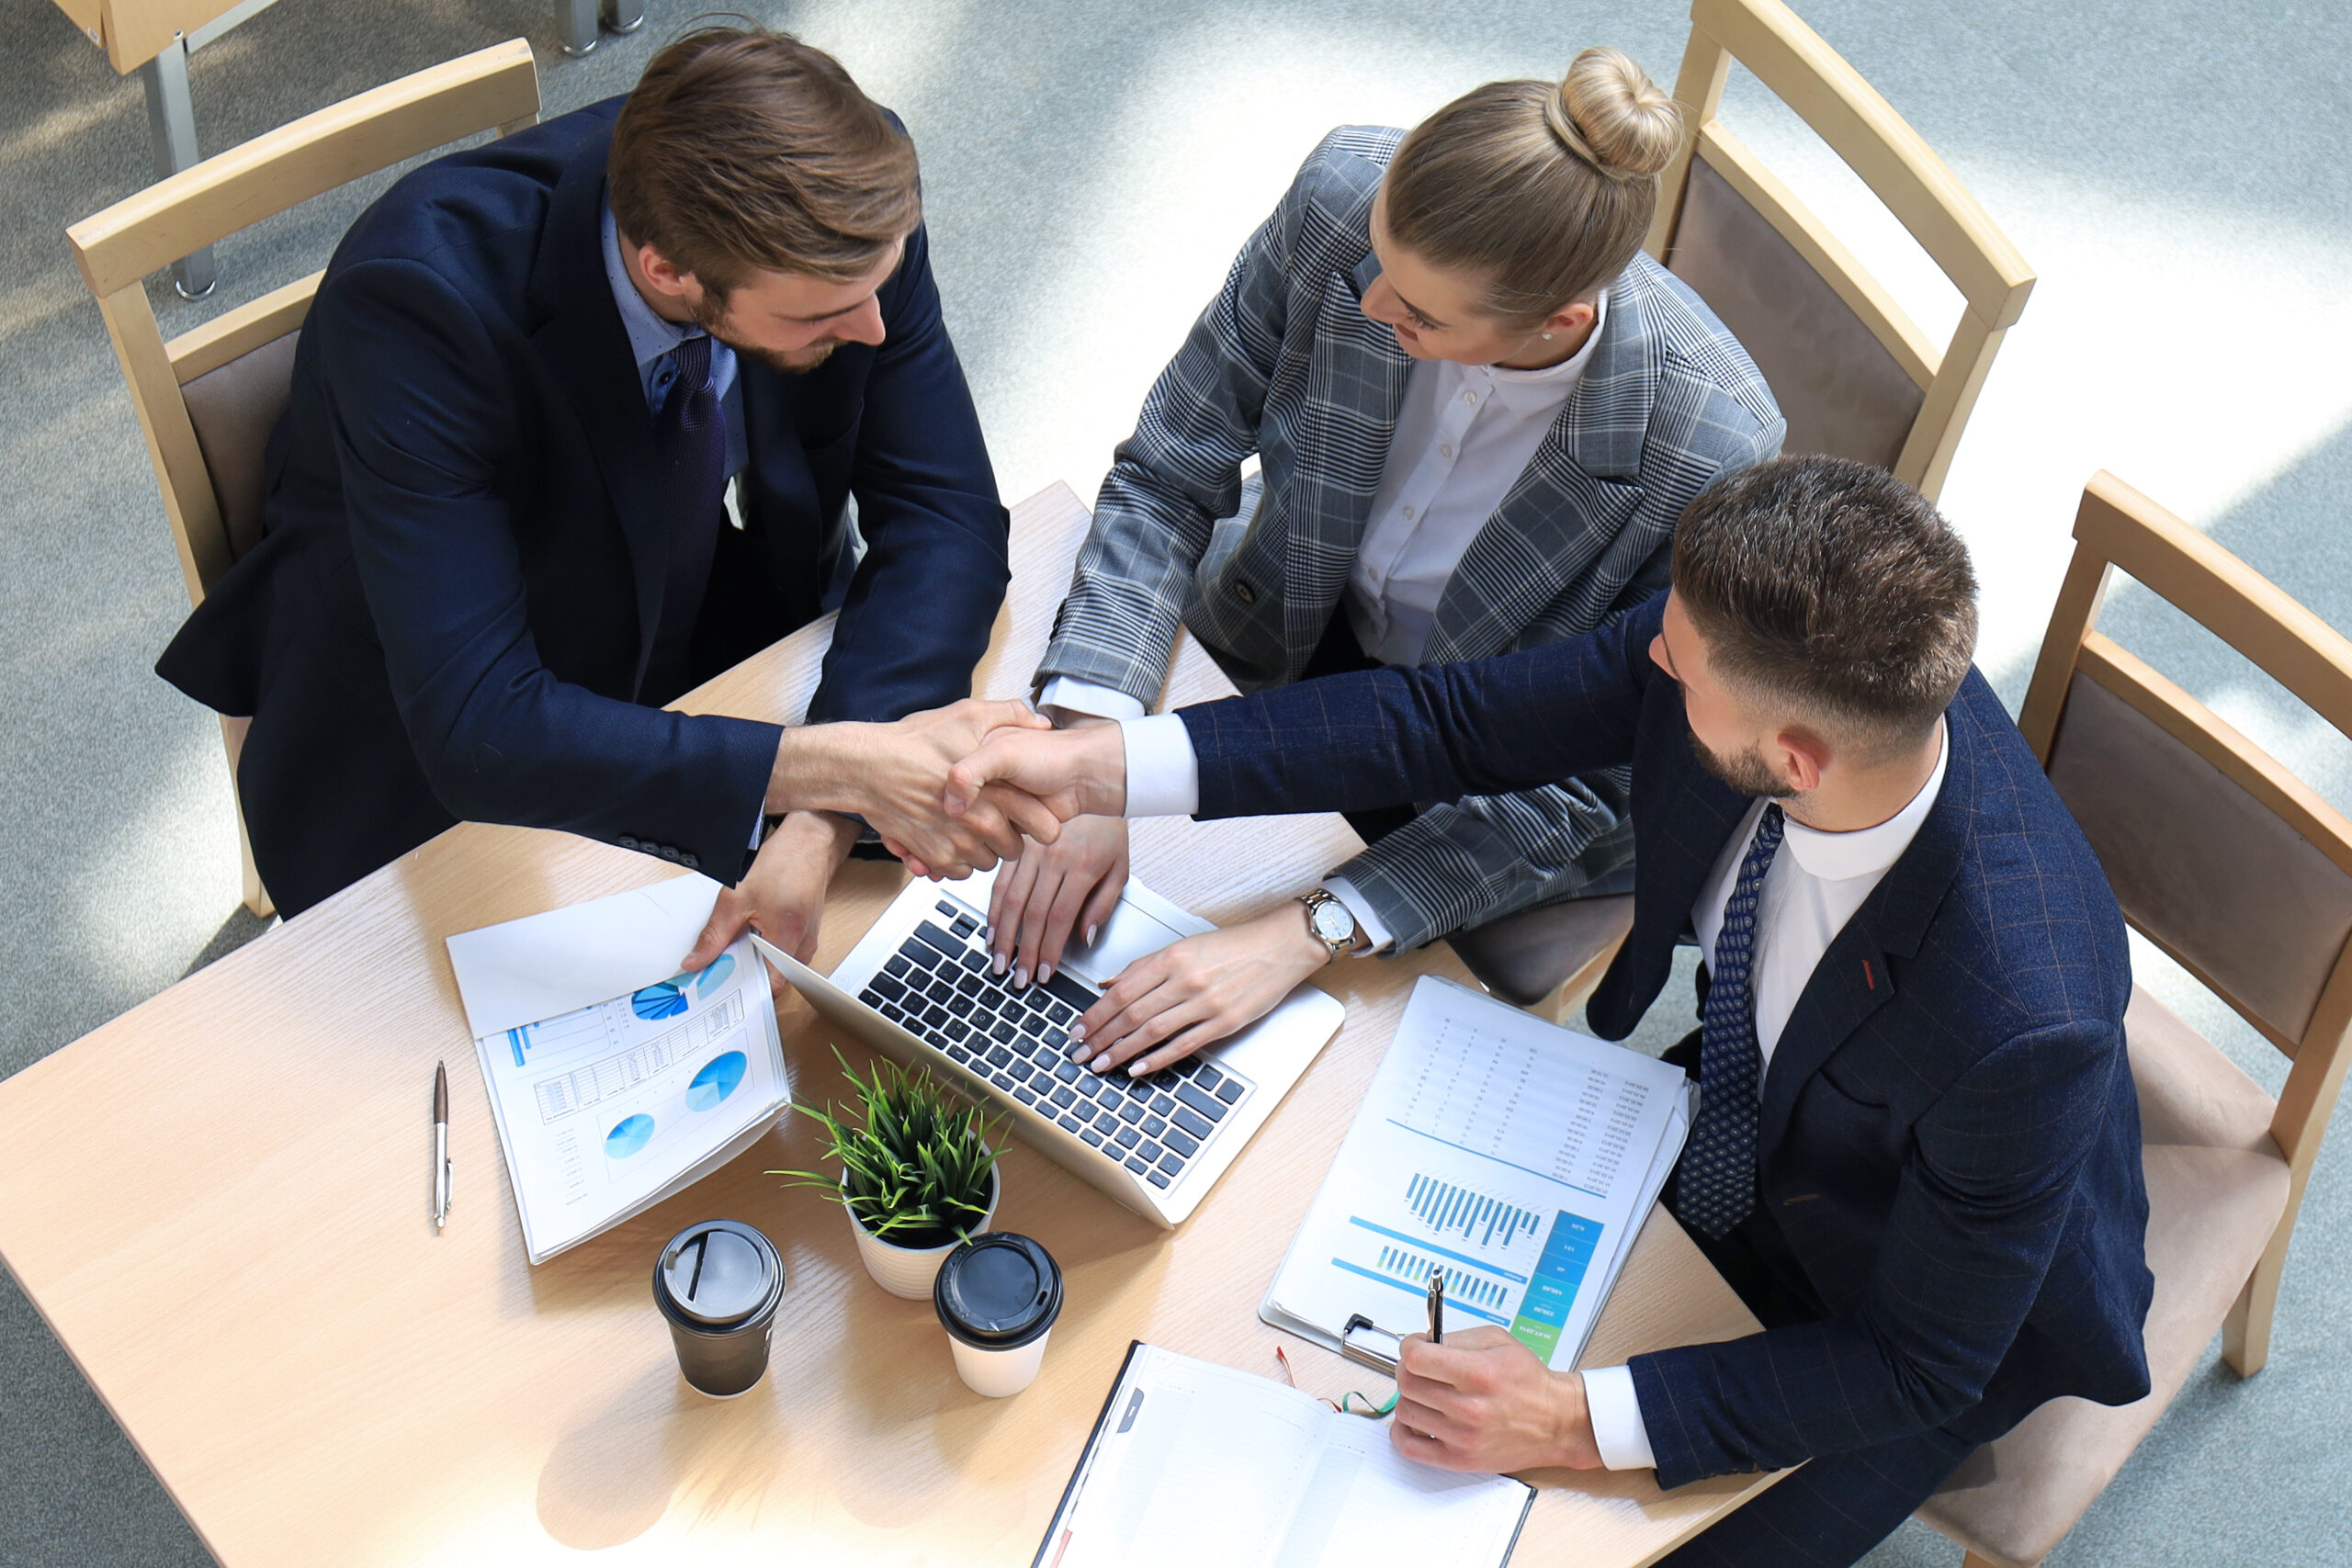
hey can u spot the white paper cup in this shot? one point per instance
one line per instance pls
(998, 1297)
(998, 1374)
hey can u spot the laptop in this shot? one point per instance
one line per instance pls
(919, 986)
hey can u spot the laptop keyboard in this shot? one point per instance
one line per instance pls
(940, 987)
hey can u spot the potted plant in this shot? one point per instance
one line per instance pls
(918, 1172)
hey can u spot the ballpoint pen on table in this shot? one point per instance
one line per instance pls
(440, 1146)
(1437, 1306)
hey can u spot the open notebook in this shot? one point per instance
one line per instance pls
(1192, 1463)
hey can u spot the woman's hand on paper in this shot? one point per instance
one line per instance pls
(783, 895)
(1482, 1401)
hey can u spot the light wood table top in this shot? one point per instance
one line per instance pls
(219, 1201)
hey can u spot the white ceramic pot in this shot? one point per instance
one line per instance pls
(908, 1271)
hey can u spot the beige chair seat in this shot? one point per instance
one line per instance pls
(2216, 1186)
(1525, 957)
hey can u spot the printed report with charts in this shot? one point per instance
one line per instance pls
(614, 1078)
(1516, 1157)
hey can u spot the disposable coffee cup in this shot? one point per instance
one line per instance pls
(719, 1283)
(997, 1296)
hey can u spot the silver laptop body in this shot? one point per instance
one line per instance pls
(918, 986)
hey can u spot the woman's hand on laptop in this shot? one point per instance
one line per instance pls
(1053, 890)
(1167, 1005)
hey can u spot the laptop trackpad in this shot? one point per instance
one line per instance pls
(1126, 937)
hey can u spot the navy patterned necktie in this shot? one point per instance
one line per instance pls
(690, 435)
(1717, 1184)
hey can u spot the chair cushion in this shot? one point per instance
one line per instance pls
(2210, 1213)
(233, 408)
(2190, 1092)
(1525, 957)
(1837, 386)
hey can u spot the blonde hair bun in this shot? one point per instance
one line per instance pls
(1608, 113)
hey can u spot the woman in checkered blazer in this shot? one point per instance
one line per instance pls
(1477, 410)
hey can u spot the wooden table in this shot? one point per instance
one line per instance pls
(218, 1202)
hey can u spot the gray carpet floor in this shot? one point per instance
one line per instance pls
(2176, 172)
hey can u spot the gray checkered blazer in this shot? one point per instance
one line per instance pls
(1285, 366)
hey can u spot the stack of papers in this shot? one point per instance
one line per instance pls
(1517, 1158)
(614, 1079)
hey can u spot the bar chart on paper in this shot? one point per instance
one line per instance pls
(1510, 1156)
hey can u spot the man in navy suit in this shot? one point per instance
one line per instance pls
(1916, 1154)
(576, 419)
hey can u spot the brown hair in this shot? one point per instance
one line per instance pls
(743, 149)
(1828, 584)
(1545, 189)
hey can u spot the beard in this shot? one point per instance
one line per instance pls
(1748, 773)
(710, 315)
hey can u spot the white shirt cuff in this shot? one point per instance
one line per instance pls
(1164, 776)
(1086, 697)
(760, 826)
(1618, 1430)
(1369, 924)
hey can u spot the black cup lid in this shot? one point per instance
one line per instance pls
(998, 1291)
(718, 1272)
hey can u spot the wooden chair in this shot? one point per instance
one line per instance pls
(207, 399)
(2239, 871)
(1853, 375)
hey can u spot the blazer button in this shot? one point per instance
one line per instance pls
(1246, 594)
(668, 852)
(627, 842)
(690, 862)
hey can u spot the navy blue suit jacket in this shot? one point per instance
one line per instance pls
(451, 611)
(1949, 1141)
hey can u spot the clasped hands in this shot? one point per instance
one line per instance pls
(895, 776)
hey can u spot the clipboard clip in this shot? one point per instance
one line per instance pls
(1367, 1344)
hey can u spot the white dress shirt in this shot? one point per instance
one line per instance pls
(1815, 883)
(1463, 435)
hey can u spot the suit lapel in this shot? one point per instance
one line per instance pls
(584, 343)
(1356, 380)
(1853, 979)
(1574, 497)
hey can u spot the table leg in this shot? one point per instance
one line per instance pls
(171, 127)
(624, 15)
(575, 24)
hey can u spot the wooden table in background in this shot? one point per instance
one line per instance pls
(218, 1202)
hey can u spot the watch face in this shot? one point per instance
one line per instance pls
(1333, 923)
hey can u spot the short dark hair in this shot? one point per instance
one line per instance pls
(1828, 584)
(743, 149)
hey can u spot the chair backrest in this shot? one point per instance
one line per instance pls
(207, 398)
(2217, 853)
(1854, 376)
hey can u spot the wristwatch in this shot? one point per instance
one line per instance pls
(1332, 924)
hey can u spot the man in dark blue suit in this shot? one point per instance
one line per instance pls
(576, 419)
(1916, 1154)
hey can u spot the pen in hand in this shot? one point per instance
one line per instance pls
(440, 1146)
(1437, 1306)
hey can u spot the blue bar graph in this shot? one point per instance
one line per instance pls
(1450, 1209)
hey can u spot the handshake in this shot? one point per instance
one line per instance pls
(955, 789)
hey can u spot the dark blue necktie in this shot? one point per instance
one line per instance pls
(690, 440)
(1717, 1184)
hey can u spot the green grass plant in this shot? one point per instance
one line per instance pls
(914, 1156)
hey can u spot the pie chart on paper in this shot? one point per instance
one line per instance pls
(663, 999)
(719, 1079)
(628, 1136)
(711, 978)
